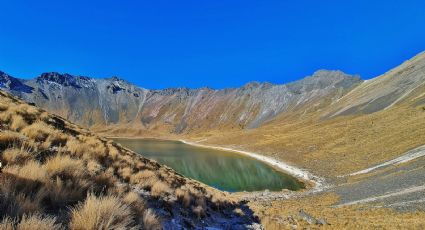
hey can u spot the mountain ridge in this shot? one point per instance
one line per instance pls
(247, 106)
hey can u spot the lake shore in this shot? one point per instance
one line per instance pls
(291, 170)
(313, 182)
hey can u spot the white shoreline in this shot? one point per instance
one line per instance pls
(294, 171)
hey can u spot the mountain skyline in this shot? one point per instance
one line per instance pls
(114, 101)
(217, 44)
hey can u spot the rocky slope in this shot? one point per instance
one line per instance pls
(113, 101)
(384, 91)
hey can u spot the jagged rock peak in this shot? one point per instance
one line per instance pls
(332, 73)
(117, 79)
(10, 83)
(256, 84)
(180, 91)
(65, 79)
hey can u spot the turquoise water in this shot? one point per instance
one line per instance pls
(227, 171)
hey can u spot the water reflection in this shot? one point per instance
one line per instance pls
(226, 171)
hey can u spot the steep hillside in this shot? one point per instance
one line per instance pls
(56, 175)
(378, 120)
(385, 91)
(109, 102)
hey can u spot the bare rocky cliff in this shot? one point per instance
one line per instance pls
(91, 101)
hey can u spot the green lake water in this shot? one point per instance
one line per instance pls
(224, 170)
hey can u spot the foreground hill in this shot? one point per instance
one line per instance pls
(56, 175)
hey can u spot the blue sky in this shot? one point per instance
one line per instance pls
(220, 43)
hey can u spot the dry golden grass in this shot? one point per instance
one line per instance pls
(160, 188)
(18, 123)
(330, 147)
(150, 220)
(199, 211)
(38, 131)
(133, 199)
(64, 165)
(36, 221)
(17, 156)
(93, 167)
(126, 172)
(3, 107)
(32, 170)
(7, 224)
(282, 214)
(84, 181)
(102, 213)
(77, 148)
(184, 196)
(10, 139)
(142, 176)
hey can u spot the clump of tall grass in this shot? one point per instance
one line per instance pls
(30, 222)
(102, 213)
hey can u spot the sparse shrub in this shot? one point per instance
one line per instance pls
(199, 211)
(141, 176)
(32, 170)
(57, 139)
(200, 201)
(15, 197)
(160, 188)
(37, 221)
(126, 173)
(113, 152)
(102, 213)
(6, 116)
(27, 111)
(150, 221)
(17, 123)
(93, 167)
(9, 139)
(3, 107)
(16, 156)
(134, 200)
(184, 196)
(77, 148)
(238, 212)
(38, 131)
(7, 224)
(60, 193)
(64, 165)
(103, 182)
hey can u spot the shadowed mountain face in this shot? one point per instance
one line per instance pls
(90, 101)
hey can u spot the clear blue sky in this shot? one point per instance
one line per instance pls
(220, 43)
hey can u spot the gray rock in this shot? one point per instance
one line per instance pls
(90, 101)
(307, 217)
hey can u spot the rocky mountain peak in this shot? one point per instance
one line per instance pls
(333, 74)
(256, 84)
(64, 79)
(10, 83)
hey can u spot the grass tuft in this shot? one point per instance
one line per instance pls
(102, 213)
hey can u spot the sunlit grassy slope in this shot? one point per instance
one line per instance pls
(57, 175)
(378, 120)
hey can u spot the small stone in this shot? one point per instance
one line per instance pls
(321, 221)
(307, 217)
